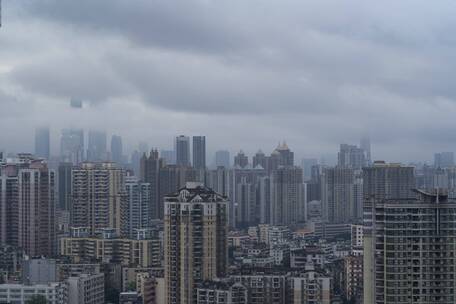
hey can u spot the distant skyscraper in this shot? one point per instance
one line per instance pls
(42, 142)
(116, 149)
(351, 156)
(199, 152)
(444, 160)
(288, 201)
(64, 177)
(195, 241)
(96, 150)
(135, 161)
(390, 181)
(171, 179)
(27, 206)
(99, 198)
(222, 158)
(139, 203)
(339, 202)
(410, 249)
(307, 164)
(182, 148)
(284, 154)
(260, 159)
(365, 145)
(149, 172)
(72, 146)
(169, 156)
(241, 160)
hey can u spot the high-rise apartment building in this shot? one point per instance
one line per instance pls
(260, 160)
(182, 149)
(64, 177)
(27, 205)
(284, 156)
(42, 142)
(443, 160)
(288, 197)
(241, 160)
(195, 241)
(172, 178)
(139, 203)
(99, 198)
(222, 158)
(409, 249)
(72, 146)
(116, 149)
(96, 149)
(338, 199)
(351, 156)
(169, 156)
(384, 180)
(149, 172)
(199, 152)
(86, 289)
(381, 182)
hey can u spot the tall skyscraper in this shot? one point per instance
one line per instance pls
(260, 159)
(284, 155)
(139, 203)
(222, 158)
(351, 156)
(116, 149)
(169, 156)
(199, 152)
(27, 205)
(338, 199)
(385, 183)
(410, 255)
(444, 160)
(150, 167)
(172, 178)
(64, 177)
(42, 142)
(96, 150)
(72, 146)
(182, 148)
(99, 198)
(288, 201)
(241, 160)
(195, 241)
(390, 181)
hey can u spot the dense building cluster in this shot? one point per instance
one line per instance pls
(93, 226)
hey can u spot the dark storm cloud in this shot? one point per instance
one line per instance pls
(317, 72)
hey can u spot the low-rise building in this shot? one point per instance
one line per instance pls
(110, 249)
(55, 293)
(86, 289)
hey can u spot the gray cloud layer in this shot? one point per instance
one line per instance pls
(245, 73)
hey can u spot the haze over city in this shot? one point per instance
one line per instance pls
(247, 74)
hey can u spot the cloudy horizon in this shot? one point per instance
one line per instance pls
(247, 74)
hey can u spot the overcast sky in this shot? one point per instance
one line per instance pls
(245, 73)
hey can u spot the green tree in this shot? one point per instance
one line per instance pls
(37, 299)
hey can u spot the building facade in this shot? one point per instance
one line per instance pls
(195, 241)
